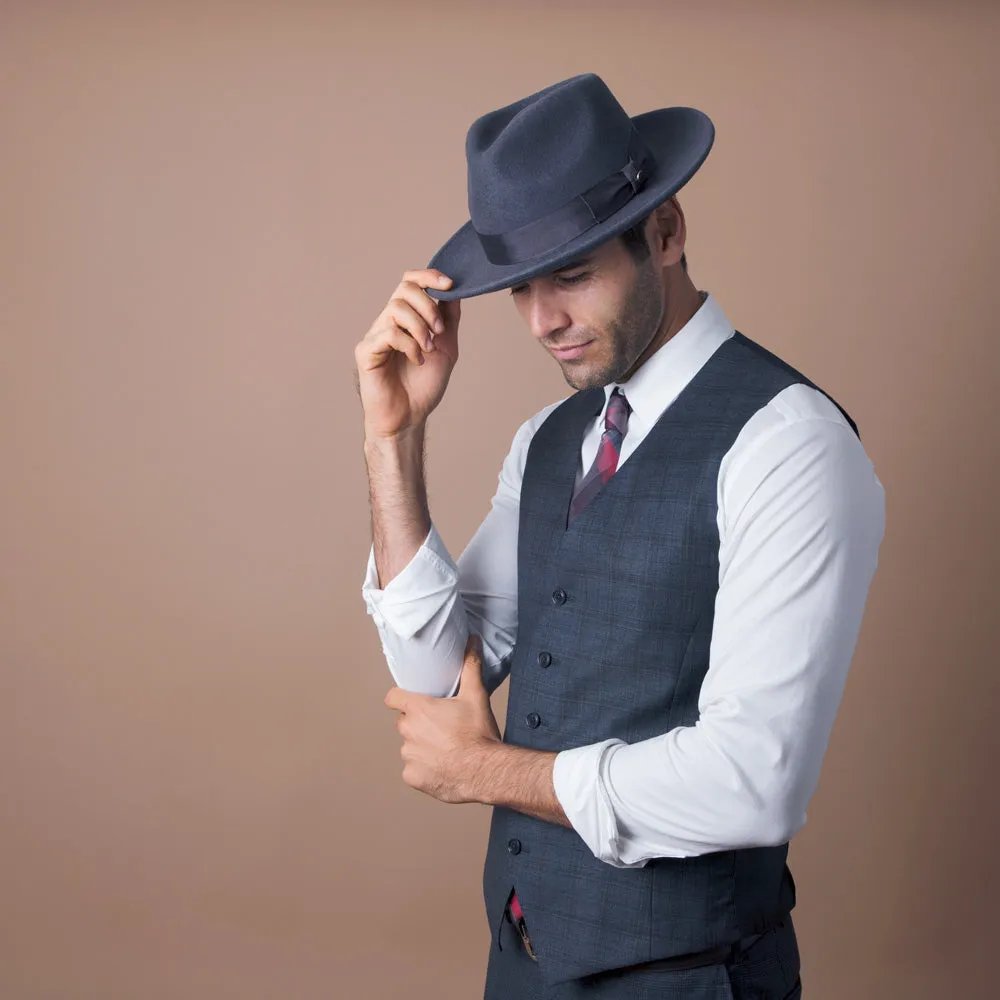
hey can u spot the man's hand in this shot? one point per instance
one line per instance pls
(406, 358)
(447, 741)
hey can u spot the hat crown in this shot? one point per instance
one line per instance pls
(530, 157)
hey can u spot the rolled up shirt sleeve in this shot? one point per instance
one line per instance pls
(421, 620)
(803, 519)
(424, 614)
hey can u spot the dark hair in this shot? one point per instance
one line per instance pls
(635, 242)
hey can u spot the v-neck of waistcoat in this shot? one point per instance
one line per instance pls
(586, 407)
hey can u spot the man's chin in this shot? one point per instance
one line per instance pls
(583, 380)
(579, 376)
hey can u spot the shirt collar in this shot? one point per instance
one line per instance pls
(663, 375)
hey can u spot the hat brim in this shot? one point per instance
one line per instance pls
(679, 138)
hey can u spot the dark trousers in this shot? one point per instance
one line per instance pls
(769, 970)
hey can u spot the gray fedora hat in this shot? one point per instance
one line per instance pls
(557, 173)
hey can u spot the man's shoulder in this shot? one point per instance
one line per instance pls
(800, 428)
(799, 402)
(797, 413)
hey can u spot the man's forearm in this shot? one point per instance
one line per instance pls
(400, 515)
(520, 779)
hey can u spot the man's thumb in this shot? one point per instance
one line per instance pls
(472, 666)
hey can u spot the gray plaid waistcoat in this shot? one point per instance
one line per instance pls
(615, 620)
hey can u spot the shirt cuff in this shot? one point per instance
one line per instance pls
(412, 597)
(578, 776)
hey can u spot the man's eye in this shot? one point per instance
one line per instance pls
(563, 279)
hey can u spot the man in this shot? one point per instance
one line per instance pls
(673, 573)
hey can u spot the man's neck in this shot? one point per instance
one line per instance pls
(681, 308)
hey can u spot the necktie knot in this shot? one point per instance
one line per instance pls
(616, 417)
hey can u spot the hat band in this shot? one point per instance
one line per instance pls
(577, 216)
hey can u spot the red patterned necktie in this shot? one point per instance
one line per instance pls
(606, 461)
(605, 464)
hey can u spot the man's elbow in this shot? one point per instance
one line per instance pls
(772, 821)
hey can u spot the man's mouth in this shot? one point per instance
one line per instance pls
(564, 353)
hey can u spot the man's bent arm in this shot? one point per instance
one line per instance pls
(403, 539)
(400, 516)
(425, 612)
(806, 515)
(521, 779)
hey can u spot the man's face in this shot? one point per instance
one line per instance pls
(607, 301)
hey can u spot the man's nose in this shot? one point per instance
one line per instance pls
(546, 317)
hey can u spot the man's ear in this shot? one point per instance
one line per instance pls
(669, 231)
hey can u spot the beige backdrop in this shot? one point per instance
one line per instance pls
(202, 207)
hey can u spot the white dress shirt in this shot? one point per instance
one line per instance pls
(801, 515)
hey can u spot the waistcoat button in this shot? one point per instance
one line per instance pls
(559, 596)
(514, 845)
(534, 720)
(544, 658)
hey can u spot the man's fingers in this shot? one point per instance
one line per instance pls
(396, 698)
(472, 665)
(408, 319)
(428, 277)
(376, 349)
(427, 308)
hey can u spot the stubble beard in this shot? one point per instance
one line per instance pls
(629, 333)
